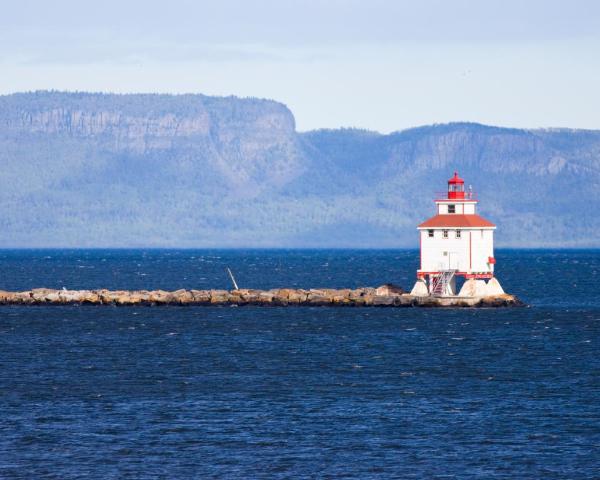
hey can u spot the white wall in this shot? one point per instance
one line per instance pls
(469, 208)
(457, 249)
(461, 208)
(482, 248)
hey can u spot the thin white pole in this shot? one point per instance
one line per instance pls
(232, 279)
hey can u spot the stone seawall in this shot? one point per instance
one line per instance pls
(360, 297)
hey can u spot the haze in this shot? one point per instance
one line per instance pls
(381, 65)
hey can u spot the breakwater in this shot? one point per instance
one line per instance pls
(384, 296)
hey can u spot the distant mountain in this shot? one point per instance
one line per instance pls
(81, 169)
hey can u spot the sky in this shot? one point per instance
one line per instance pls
(374, 64)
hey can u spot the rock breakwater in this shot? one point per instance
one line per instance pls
(384, 296)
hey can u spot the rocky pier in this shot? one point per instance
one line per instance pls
(384, 296)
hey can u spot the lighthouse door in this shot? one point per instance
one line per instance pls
(453, 260)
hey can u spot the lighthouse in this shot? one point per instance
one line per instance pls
(456, 244)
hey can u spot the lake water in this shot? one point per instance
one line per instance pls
(248, 392)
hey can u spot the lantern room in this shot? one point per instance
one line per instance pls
(456, 188)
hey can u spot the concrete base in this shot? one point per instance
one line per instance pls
(451, 287)
(473, 288)
(479, 288)
(493, 287)
(420, 289)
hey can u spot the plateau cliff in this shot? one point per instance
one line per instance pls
(82, 169)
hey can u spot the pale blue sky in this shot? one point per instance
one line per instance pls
(381, 65)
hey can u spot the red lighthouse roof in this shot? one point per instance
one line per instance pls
(456, 179)
(456, 221)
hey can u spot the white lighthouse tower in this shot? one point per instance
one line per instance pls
(456, 242)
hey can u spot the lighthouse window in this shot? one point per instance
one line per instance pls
(451, 208)
(458, 234)
(430, 233)
(445, 233)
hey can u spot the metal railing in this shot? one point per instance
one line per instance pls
(468, 196)
(439, 283)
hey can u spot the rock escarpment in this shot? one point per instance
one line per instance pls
(361, 297)
(103, 170)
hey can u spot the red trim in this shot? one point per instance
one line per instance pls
(460, 274)
(439, 198)
(478, 275)
(491, 260)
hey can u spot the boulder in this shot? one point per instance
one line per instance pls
(357, 293)
(70, 296)
(389, 289)
(283, 293)
(23, 297)
(235, 298)
(297, 296)
(40, 294)
(124, 299)
(89, 296)
(182, 297)
(246, 295)
(5, 296)
(502, 300)
(317, 292)
(318, 297)
(160, 297)
(143, 295)
(219, 296)
(265, 297)
(329, 292)
(280, 296)
(200, 296)
(113, 297)
(342, 297)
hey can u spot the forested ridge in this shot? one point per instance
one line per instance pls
(100, 170)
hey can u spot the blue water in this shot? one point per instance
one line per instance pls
(201, 392)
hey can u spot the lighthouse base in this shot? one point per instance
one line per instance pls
(478, 288)
(472, 288)
(420, 289)
(494, 288)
